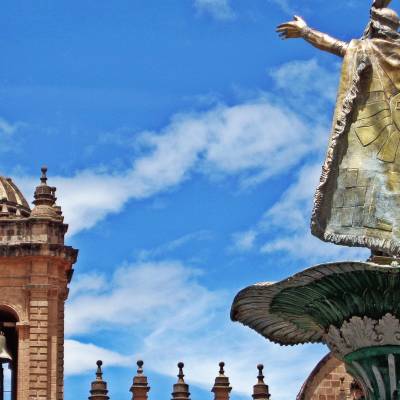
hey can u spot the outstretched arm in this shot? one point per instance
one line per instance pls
(298, 28)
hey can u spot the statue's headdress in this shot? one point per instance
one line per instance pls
(381, 3)
(384, 21)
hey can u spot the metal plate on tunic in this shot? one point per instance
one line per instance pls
(372, 119)
(395, 109)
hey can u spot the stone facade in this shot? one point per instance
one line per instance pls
(328, 381)
(35, 269)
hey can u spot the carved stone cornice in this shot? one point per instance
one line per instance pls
(39, 249)
(359, 333)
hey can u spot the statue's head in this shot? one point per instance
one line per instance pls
(385, 18)
(384, 23)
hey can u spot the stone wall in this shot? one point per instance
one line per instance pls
(328, 381)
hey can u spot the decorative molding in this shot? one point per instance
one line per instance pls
(359, 333)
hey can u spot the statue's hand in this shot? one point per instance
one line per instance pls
(292, 29)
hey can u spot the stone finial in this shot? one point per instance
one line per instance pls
(56, 207)
(261, 390)
(43, 178)
(99, 387)
(140, 386)
(181, 389)
(44, 199)
(221, 388)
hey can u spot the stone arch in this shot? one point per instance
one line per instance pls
(10, 318)
(10, 311)
(325, 380)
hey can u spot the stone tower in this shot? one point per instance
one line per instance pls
(35, 269)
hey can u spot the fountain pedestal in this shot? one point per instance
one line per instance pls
(352, 307)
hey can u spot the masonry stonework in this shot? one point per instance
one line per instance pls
(329, 381)
(35, 269)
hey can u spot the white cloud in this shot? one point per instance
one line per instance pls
(291, 217)
(8, 139)
(251, 141)
(175, 244)
(82, 357)
(177, 318)
(291, 7)
(126, 299)
(284, 5)
(285, 226)
(219, 9)
(7, 128)
(302, 78)
(244, 241)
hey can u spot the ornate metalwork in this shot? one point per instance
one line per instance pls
(358, 197)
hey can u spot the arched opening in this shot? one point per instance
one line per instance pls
(8, 354)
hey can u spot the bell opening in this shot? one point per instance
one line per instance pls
(8, 354)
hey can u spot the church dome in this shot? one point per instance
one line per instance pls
(12, 201)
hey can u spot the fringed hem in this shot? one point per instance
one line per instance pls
(331, 160)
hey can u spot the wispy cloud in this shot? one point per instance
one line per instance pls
(251, 141)
(126, 298)
(81, 357)
(284, 227)
(308, 7)
(219, 9)
(291, 215)
(175, 317)
(305, 78)
(173, 245)
(244, 241)
(8, 130)
(284, 5)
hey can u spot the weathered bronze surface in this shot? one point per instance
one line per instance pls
(357, 202)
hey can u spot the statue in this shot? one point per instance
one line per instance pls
(352, 307)
(357, 202)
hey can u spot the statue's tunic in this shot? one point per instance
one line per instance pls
(358, 200)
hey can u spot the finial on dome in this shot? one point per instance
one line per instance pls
(140, 367)
(181, 389)
(221, 388)
(98, 389)
(140, 386)
(181, 374)
(99, 372)
(260, 376)
(45, 200)
(43, 178)
(221, 368)
(261, 390)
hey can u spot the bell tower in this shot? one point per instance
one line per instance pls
(35, 269)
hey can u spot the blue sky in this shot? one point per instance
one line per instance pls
(185, 140)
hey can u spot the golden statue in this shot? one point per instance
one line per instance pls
(357, 202)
